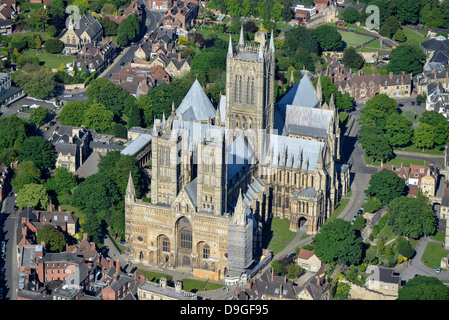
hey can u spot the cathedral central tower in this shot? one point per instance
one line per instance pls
(250, 89)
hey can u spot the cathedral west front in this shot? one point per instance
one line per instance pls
(220, 174)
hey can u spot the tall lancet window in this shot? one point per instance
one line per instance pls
(252, 92)
(240, 89)
(248, 90)
(236, 89)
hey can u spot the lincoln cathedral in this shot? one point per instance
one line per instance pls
(220, 174)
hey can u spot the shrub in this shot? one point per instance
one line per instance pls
(54, 45)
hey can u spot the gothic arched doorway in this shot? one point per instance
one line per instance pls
(184, 242)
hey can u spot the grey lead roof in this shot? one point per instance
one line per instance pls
(197, 101)
(302, 94)
(140, 142)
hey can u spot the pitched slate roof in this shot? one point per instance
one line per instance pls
(88, 24)
(197, 101)
(437, 43)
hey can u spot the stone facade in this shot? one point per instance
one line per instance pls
(219, 175)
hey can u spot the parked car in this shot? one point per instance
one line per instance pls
(122, 64)
(68, 95)
(438, 270)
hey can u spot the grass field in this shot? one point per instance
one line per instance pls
(413, 36)
(281, 235)
(433, 254)
(352, 39)
(339, 207)
(192, 285)
(397, 162)
(50, 60)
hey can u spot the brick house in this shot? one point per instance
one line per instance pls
(160, 5)
(181, 14)
(94, 57)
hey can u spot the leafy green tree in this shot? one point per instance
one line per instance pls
(36, 81)
(57, 9)
(386, 185)
(400, 36)
(359, 223)
(54, 239)
(122, 40)
(411, 217)
(72, 114)
(398, 130)
(109, 27)
(337, 241)
(61, 183)
(38, 150)
(26, 172)
(423, 288)
(377, 109)
(12, 129)
(93, 226)
(328, 37)
(375, 143)
(407, 58)
(54, 45)
(98, 117)
(405, 248)
(39, 115)
(97, 192)
(372, 205)
(33, 194)
(423, 136)
(407, 11)
(352, 59)
(119, 131)
(162, 97)
(350, 15)
(112, 96)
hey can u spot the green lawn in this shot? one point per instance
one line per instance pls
(192, 285)
(433, 254)
(413, 148)
(373, 46)
(339, 207)
(281, 235)
(413, 36)
(397, 162)
(155, 276)
(352, 39)
(50, 60)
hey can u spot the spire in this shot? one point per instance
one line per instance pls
(173, 108)
(164, 123)
(130, 191)
(292, 79)
(319, 90)
(331, 102)
(319, 162)
(154, 127)
(272, 42)
(230, 52)
(239, 212)
(241, 40)
(260, 59)
(217, 116)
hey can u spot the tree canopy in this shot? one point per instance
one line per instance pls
(411, 217)
(338, 241)
(386, 185)
(423, 288)
(54, 239)
(40, 151)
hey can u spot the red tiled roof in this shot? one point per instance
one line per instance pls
(305, 254)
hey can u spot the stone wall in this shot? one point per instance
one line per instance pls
(361, 293)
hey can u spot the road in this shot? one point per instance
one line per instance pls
(8, 214)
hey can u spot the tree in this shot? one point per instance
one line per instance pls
(33, 194)
(375, 143)
(423, 288)
(96, 192)
(112, 96)
(38, 150)
(386, 185)
(162, 97)
(423, 136)
(36, 81)
(54, 45)
(54, 239)
(337, 241)
(328, 37)
(72, 114)
(407, 11)
(377, 109)
(61, 183)
(407, 58)
(98, 117)
(372, 205)
(405, 248)
(12, 129)
(26, 172)
(411, 217)
(38, 115)
(399, 36)
(109, 27)
(42, 15)
(352, 59)
(398, 130)
(122, 40)
(350, 15)
(359, 224)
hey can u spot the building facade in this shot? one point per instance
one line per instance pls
(219, 175)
